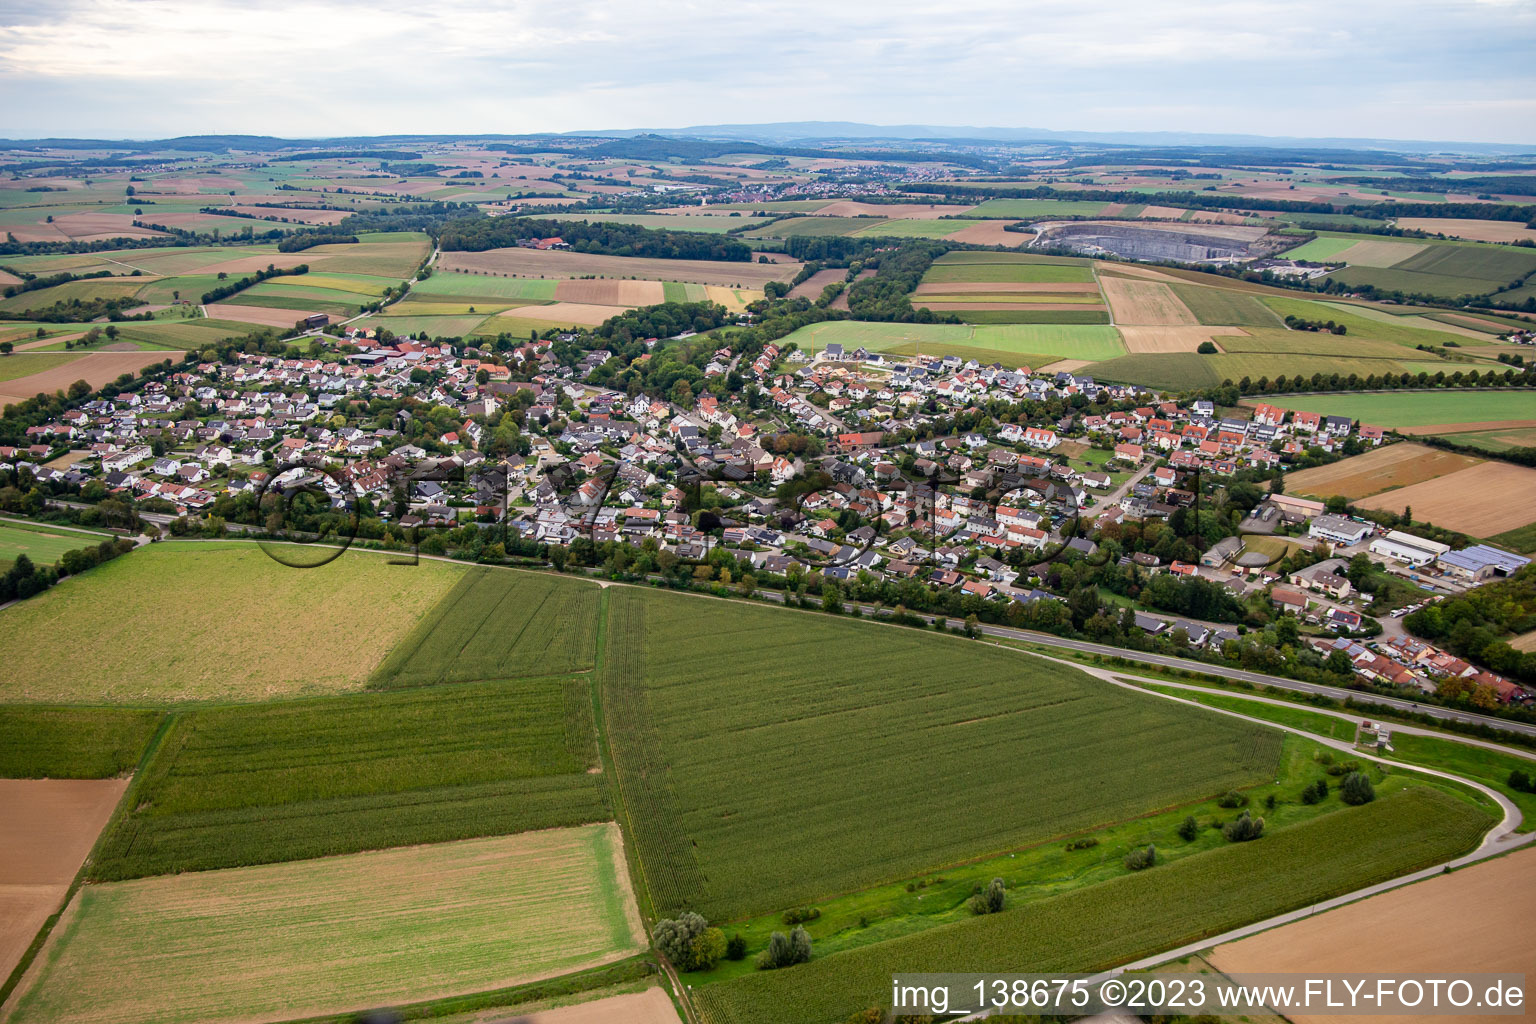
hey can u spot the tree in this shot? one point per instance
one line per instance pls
(1141, 859)
(1315, 792)
(1356, 789)
(707, 950)
(1189, 829)
(1244, 829)
(736, 947)
(831, 598)
(674, 939)
(1207, 348)
(5, 348)
(800, 946)
(989, 900)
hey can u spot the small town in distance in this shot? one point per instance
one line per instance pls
(468, 565)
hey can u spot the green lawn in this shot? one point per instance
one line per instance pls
(1490, 767)
(1295, 717)
(1023, 209)
(1360, 324)
(933, 228)
(1021, 273)
(42, 545)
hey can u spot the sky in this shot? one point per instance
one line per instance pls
(1455, 71)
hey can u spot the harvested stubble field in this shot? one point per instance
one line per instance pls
(1476, 230)
(263, 630)
(1128, 917)
(1175, 339)
(1145, 303)
(550, 263)
(95, 368)
(1396, 465)
(1450, 912)
(278, 942)
(258, 316)
(497, 624)
(783, 814)
(1485, 499)
(812, 287)
(611, 293)
(50, 826)
(311, 778)
(560, 314)
(650, 1006)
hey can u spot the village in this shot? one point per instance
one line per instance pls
(812, 465)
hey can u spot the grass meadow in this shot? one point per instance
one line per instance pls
(1131, 916)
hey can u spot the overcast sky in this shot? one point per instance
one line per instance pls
(1460, 70)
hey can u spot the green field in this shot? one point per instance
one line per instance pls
(437, 326)
(1381, 327)
(119, 633)
(1029, 316)
(1225, 307)
(311, 778)
(1322, 249)
(267, 300)
(1257, 365)
(469, 287)
(1022, 273)
(1419, 409)
(24, 364)
(813, 226)
(283, 941)
(1063, 341)
(43, 546)
(1023, 209)
(1129, 917)
(1177, 371)
(1497, 441)
(96, 288)
(73, 743)
(1293, 716)
(931, 228)
(817, 791)
(496, 624)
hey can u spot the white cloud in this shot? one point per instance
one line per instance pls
(1363, 68)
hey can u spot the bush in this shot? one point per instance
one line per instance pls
(800, 915)
(707, 950)
(1343, 768)
(736, 948)
(1245, 829)
(1207, 348)
(1189, 829)
(1356, 789)
(990, 900)
(1232, 799)
(1086, 843)
(1140, 860)
(1521, 782)
(1315, 792)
